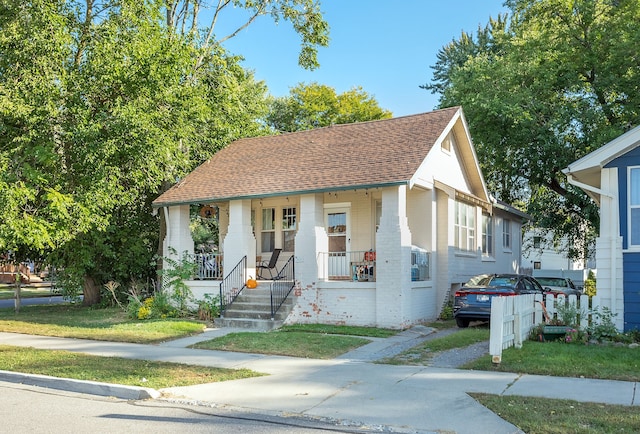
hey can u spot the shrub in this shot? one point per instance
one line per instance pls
(569, 314)
(209, 307)
(174, 277)
(602, 328)
(590, 284)
(576, 336)
(447, 311)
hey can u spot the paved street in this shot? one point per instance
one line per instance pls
(28, 409)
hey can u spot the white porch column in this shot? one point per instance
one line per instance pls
(239, 240)
(178, 235)
(311, 238)
(393, 260)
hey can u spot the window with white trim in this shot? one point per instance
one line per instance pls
(506, 234)
(288, 229)
(634, 206)
(268, 234)
(487, 235)
(465, 226)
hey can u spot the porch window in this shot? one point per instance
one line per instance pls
(288, 229)
(268, 235)
(634, 206)
(487, 235)
(506, 234)
(465, 226)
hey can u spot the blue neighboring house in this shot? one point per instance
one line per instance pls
(611, 176)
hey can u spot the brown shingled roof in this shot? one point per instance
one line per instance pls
(359, 155)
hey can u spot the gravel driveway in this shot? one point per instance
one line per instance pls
(445, 359)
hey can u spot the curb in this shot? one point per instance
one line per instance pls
(81, 386)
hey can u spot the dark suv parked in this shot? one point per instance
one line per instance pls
(473, 301)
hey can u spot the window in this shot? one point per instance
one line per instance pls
(268, 229)
(536, 242)
(288, 229)
(506, 234)
(634, 206)
(537, 265)
(378, 216)
(487, 235)
(447, 143)
(465, 226)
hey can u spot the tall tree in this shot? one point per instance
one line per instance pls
(316, 105)
(103, 103)
(558, 80)
(186, 18)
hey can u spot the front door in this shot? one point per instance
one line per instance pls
(337, 223)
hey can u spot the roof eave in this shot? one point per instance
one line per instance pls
(278, 194)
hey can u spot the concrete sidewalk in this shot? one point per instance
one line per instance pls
(349, 389)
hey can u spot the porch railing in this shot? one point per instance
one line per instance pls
(282, 285)
(356, 266)
(233, 284)
(209, 266)
(360, 265)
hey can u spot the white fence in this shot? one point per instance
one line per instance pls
(512, 318)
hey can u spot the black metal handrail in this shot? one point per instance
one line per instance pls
(233, 284)
(282, 285)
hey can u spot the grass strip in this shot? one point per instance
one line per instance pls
(291, 343)
(340, 330)
(111, 324)
(115, 370)
(610, 362)
(558, 416)
(8, 293)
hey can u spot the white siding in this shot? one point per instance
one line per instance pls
(446, 167)
(609, 284)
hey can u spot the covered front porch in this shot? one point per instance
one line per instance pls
(360, 256)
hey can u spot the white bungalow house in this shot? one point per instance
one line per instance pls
(377, 221)
(610, 175)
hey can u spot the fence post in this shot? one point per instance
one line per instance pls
(517, 320)
(496, 329)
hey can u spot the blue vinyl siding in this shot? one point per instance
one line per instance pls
(631, 284)
(631, 261)
(631, 158)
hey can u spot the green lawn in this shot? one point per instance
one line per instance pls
(116, 370)
(559, 416)
(559, 359)
(7, 292)
(112, 324)
(286, 343)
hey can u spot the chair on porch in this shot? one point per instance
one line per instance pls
(271, 265)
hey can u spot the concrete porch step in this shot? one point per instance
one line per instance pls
(252, 310)
(249, 324)
(255, 314)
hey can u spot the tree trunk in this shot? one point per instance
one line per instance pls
(160, 252)
(90, 291)
(18, 292)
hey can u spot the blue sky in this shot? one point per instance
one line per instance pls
(385, 47)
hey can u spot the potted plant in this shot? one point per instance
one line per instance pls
(568, 318)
